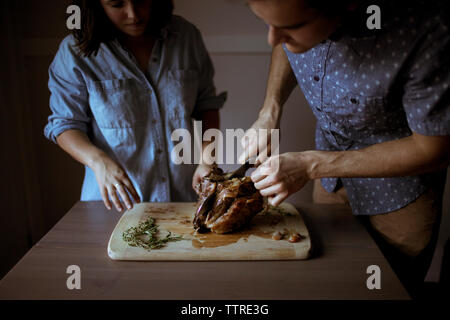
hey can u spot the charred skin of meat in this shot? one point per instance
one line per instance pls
(225, 205)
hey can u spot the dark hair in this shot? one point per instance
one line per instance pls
(96, 28)
(331, 8)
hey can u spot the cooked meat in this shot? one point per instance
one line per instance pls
(225, 205)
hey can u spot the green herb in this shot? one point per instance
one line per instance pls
(145, 236)
(280, 210)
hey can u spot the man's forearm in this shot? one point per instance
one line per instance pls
(404, 157)
(280, 84)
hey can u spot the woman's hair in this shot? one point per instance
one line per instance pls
(96, 28)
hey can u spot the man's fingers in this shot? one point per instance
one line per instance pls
(262, 171)
(263, 156)
(276, 200)
(124, 195)
(259, 174)
(250, 148)
(249, 138)
(265, 182)
(271, 190)
(195, 182)
(104, 193)
(256, 143)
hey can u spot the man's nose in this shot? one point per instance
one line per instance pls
(275, 36)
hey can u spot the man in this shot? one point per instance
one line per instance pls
(381, 99)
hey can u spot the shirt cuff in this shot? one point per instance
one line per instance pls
(52, 131)
(212, 103)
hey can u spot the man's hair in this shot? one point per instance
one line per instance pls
(330, 7)
(96, 28)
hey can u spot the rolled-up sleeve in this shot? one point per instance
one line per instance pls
(68, 94)
(207, 99)
(426, 98)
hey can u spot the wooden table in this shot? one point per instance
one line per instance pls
(343, 249)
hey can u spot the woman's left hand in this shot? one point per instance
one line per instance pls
(201, 171)
(282, 175)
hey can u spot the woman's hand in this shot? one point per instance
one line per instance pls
(258, 142)
(201, 171)
(112, 179)
(280, 176)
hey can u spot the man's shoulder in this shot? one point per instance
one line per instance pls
(420, 14)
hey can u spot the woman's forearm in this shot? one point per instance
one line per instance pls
(77, 144)
(412, 155)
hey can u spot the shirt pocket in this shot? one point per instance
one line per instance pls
(118, 103)
(180, 96)
(354, 115)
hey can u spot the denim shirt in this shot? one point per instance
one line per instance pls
(130, 114)
(367, 87)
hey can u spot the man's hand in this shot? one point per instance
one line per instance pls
(258, 143)
(280, 84)
(201, 171)
(282, 175)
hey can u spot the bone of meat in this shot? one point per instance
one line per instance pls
(225, 205)
(206, 191)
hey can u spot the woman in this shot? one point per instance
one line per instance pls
(119, 87)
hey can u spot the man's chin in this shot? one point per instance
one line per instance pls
(296, 48)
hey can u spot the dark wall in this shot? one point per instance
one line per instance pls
(39, 181)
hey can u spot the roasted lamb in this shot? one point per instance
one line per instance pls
(225, 205)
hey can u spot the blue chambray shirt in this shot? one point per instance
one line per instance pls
(367, 87)
(130, 114)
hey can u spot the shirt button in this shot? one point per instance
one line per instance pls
(159, 151)
(163, 179)
(155, 59)
(316, 78)
(154, 121)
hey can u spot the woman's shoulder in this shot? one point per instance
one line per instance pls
(68, 52)
(69, 46)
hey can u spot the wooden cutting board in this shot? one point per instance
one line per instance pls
(252, 243)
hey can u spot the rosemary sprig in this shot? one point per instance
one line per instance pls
(145, 236)
(279, 210)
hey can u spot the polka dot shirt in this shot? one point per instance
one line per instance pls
(370, 86)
